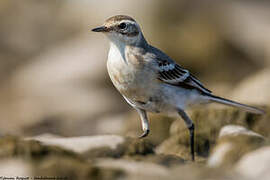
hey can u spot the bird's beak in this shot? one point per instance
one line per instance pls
(100, 29)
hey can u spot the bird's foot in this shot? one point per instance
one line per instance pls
(144, 134)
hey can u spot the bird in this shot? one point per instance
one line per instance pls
(150, 81)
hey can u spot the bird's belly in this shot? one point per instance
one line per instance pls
(132, 83)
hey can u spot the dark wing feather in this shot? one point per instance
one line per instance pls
(172, 73)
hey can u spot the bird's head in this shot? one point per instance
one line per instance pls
(121, 29)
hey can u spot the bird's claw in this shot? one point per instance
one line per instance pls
(144, 134)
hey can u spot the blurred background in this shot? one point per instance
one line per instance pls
(53, 76)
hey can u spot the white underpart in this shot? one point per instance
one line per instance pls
(117, 49)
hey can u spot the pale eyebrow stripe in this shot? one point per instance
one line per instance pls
(128, 21)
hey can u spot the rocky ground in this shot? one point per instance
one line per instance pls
(230, 144)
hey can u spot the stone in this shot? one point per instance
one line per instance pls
(161, 159)
(73, 168)
(208, 123)
(15, 167)
(99, 145)
(80, 144)
(255, 165)
(12, 146)
(34, 159)
(234, 130)
(234, 141)
(130, 147)
(133, 168)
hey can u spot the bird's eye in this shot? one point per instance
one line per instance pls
(122, 25)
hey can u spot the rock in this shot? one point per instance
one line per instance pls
(72, 168)
(171, 146)
(98, 146)
(161, 159)
(218, 155)
(255, 165)
(81, 144)
(130, 147)
(149, 170)
(11, 146)
(262, 124)
(198, 171)
(208, 122)
(39, 160)
(233, 142)
(15, 167)
(133, 168)
(234, 130)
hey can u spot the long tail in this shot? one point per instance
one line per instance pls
(235, 104)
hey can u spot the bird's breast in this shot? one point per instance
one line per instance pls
(129, 75)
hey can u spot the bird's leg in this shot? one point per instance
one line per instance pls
(143, 117)
(144, 121)
(191, 128)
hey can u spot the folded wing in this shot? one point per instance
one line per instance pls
(172, 73)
